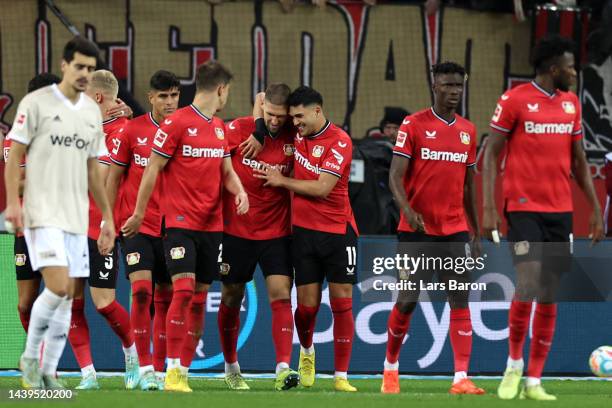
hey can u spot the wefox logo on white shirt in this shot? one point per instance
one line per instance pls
(204, 152)
(428, 154)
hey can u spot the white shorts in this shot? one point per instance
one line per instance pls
(54, 247)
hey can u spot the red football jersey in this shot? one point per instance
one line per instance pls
(541, 128)
(112, 128)
(132, 149)
(192, 180)
(269, 213)
(6, 150)
(440, 153)
(330, 151)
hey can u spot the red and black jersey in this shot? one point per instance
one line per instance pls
(112, 128)
(192, 180)
(131, 150)
(269, 214)
(440, 153)
(330, 151)
(540, 128)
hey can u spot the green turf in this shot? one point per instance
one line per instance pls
(415, 393)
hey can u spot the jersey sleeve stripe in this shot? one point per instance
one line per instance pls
(402, 154)
(501, 129)
(227, 155)
(167, 156)
(471, 164)
(118, 163)
(104, 161)
(579, 131)
(331, 172)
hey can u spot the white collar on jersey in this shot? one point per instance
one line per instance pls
(196, 110)
(544, 91)
(67, 102)
(153, 119)
(107, 121)
(451, 123)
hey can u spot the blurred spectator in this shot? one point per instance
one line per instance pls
(391, 122)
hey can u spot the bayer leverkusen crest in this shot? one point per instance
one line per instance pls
(317, 151)
(465, 138)
(220, 134)
(568, 107)
(288, 149)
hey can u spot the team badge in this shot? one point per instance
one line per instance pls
(6, 153)
(465, 138)
(288, 149)
(568, 107)
(20, 259)
(521, 248)
(224, 268)
(317, 151)
(219, 133)
(177, 253)
(20, 122)
(132, 258)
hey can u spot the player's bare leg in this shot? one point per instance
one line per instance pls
(341, 299)
(309, 301)
(279, 296)
(228, 321)
(140, 322)
(27, 292)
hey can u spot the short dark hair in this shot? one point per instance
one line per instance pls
(306, 96)
(278, 93)
(447, 67)
(42, 80)
(81, 45)
(212, 74)
(163, 80)
(548, 49)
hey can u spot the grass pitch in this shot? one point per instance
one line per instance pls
(415, 393)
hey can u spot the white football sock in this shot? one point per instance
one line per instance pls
(42, 311)
(281, 366)
(130, 351)
(173, 363)
(184, 370)
(56, 336)
(532, 381)
(515, 364)
(144, 369)
(308, 350)
(459, 375)
(87, 370)
(341, 374)
(232, 368)
(391, 366)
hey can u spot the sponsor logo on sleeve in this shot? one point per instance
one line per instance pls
(338, 156)
(497, 114)
(160, 138)
(401, 139)
(21, 120)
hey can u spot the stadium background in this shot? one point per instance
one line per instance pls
(362, 59)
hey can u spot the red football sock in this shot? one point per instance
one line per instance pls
(119, 320)
(78, 336)
(282, 329)
(228, 321)
(195, 328)
(25, 319)
(176, 320)
(140, 319)
(518, 324)
(344, 330)
(461, 338)
(397, 327)
(305, 320)
(161, 303)
(543, 333)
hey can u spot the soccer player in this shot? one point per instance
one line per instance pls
(144, 253)
(540, 122)
(103, 89)
(261, 236)
(28, 280)
(432, 181)
(324, 230)
(192, 155)
(60, 128)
